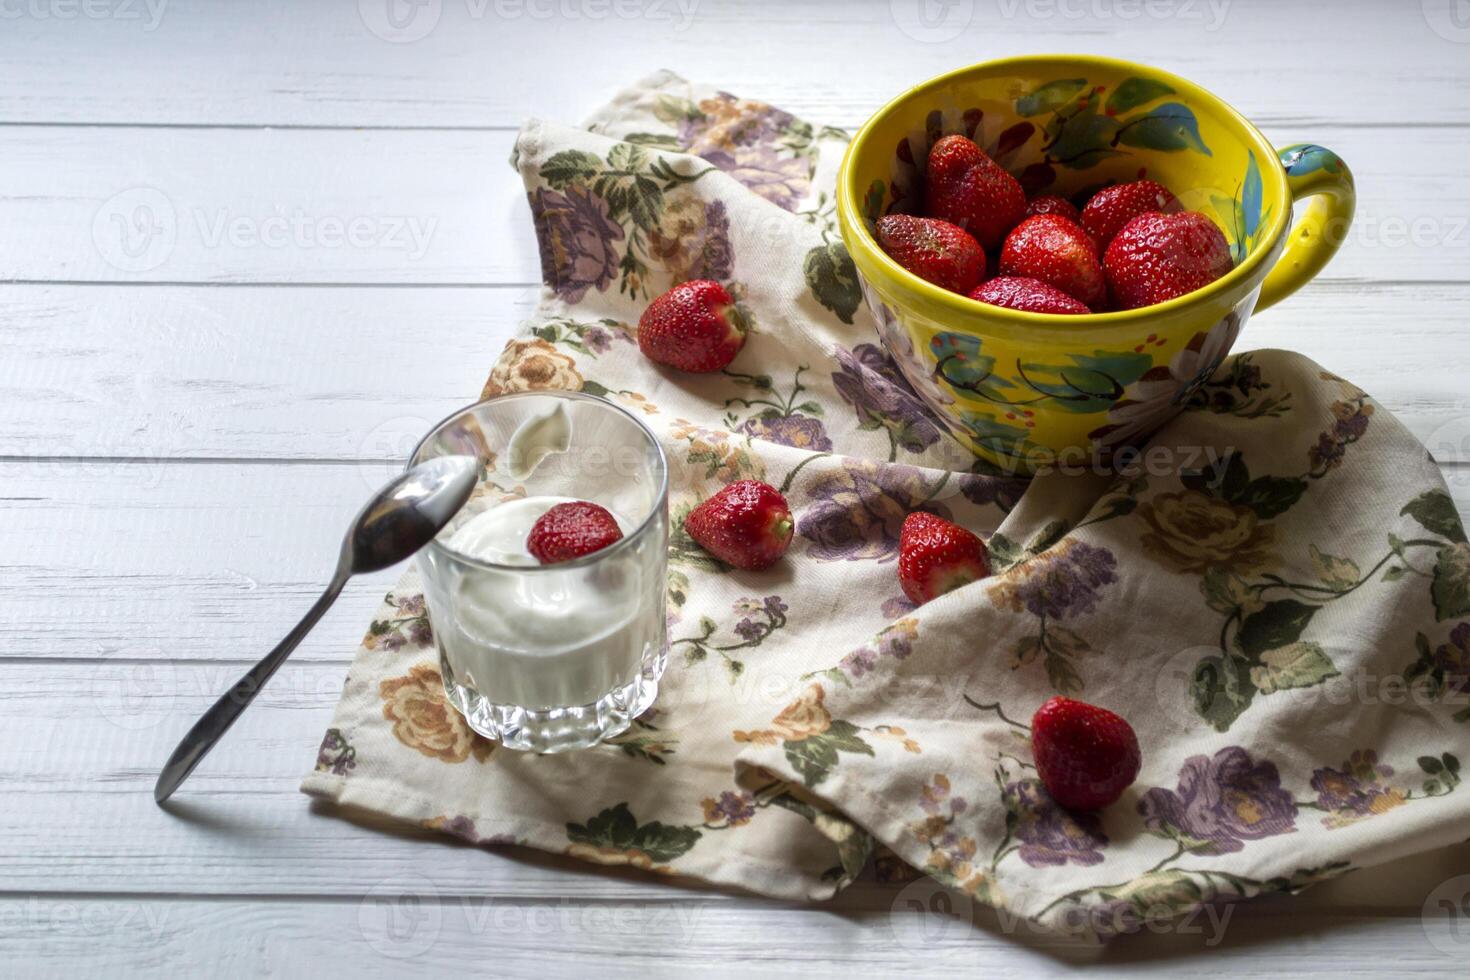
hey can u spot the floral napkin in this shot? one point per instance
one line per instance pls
(1276, 593)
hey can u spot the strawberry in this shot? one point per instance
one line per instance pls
(938, 251)
(1052, 204)
(1085, 755)
(1157, 257)
(1029, 295)
(747, 524)
(1059, 253)
(695, 326)
(571, 530)
(936, 556)
(967, 188)
(1113, 207)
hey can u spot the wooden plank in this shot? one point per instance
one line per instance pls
(384, 206)
(83, 746)
(164, 373)
(211, 562)
(338, 206)
(555, 939)
(283, 63)
(160, 374)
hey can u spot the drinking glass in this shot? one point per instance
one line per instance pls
(550, 658)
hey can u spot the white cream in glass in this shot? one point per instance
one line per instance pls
(550, 658)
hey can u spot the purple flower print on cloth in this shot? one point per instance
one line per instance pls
(1058, 584)
(871, 383)
(1047, 834)
(857, 511)
(692, 240)
(729, 809)
(897, 606)
(860, 662)
(1359, 789)
(1451, 661)
(895, 641)
(1350, 423)
(1221, 802)
(782, 180)
(799, 431)
(984, 489)
(408, 623)
(575, 236)
(725, 121)
(748, 141)
(598, 339)
(336, 755)
(748, 630)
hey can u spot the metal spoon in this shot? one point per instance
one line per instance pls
(402, 518)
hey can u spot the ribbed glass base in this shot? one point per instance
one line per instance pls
(556, 729)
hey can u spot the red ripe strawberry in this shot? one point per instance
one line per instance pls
(1029, 295)
(695, 326)
(1157, 257)
(1113, 207)
(938, 251)
(1059, 253)
(936, 556)
(1085, 755)
(747, 524)
(1052, 204)
(967, 188)
(571, 530)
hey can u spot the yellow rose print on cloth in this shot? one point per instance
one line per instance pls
(1192, 531)
(532, 365)
(422, 719)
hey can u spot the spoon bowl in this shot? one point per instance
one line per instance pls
(408, 512)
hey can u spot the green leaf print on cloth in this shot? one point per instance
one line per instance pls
(1280, 564)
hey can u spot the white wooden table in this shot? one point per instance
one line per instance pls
(194, 401)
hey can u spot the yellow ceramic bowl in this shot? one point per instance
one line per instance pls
(1026, 390)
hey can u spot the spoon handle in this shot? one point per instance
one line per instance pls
(218, 719)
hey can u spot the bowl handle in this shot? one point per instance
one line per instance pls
(1311, 172)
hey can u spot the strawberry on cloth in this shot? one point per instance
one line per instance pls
(696, 326)
(747, 524)
(1282, 539)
